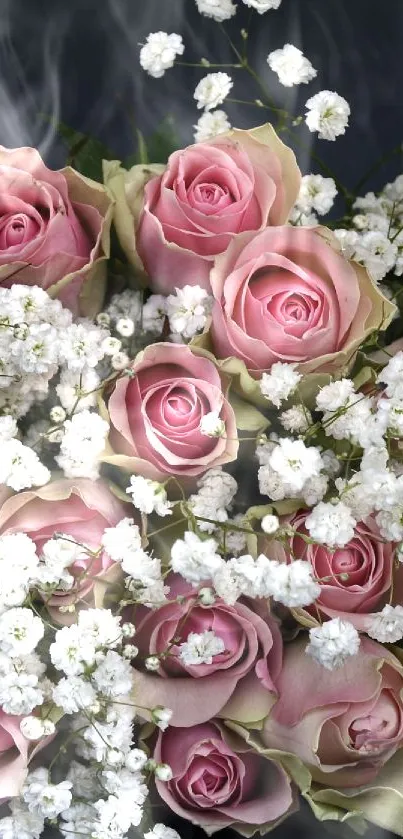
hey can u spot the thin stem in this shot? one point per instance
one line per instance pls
(206, 66)
(377, 165)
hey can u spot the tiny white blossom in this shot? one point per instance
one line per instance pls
(387, 626)
(210, 124)
(46, 798)
(154, 313)
(22, 824)
(82, 445)
(270, 524)
(211, 425)
(327, 113)
(392, 376)
(196, 560)
(113, 676)
(316, 193)
(152, 663)
(111, 346)
(125, 327)
(163, 772)
(219, 10)
(20, 467)
(32, 728)
(20, 632)
(72, 650)
(291, 66)
(262, 6)
(280, 383)
(201, 648)
(332, 643)
(294, 585)
(74, 694)
(188, 309)
(212, 90)
(122, 540)
(8, 429)
(120, 361)
(161, 716)
(161, 831)
(335, 396)
(149, 496)
(296, 419)
(294, 462)
(159, 52)
(331, 524)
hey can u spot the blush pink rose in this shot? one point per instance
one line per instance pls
(54, 229)
(155, 415)
(344, 724)
(369, 562)
(219, 782)
(239, 684)
(13, 756)
(81, 509)
(286, 294)
(243, 180)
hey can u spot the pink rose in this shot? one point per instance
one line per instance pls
(155, 415)
(54, 230)
(13, 756)
(218, 781)
(286, 294)
(81, 509)
(367, 559)
(239, 684)
(344, 724)
(243, 180)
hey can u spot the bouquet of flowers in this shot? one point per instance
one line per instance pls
(201, 517)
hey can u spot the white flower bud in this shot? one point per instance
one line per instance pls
(270, 524)
(163, 772)
(120, 360)
(152, 663)
(32, 728)
(57, 414)
(207, 596)
(125, 327)
(111, 346)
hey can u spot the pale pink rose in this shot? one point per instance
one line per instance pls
(155, 415)
(367, 559)
(287, 294)
(54, 229)
(344, 724)
(243, 180)
(81, 509)
(240, 683)
(13, 756)
(219, 782)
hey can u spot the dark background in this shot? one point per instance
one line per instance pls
(77, 60)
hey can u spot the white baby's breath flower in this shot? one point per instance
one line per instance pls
(20, 631)
(159, 52)
(219, 10)
(195, 559)
(316, 193)
(333, 643)
(295, 463)
(293, 585)
(43, 797)
(262, 6)
(188, 309)
(270, 524)
(280, 383)
(210, 124)
(212, 425)
(149, 496)
(212, 90)
(201, 648)
(291, 66)
(161, 831)
(331, 524)
(327, 113)
(387, 626)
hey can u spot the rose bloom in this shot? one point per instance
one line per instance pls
(155, 415)
(243, 180)
(13, 756)
(286, 294)
(239, 684)
(219, 782)
(81, 509)
(54, 230)
(344, 724)
(367, 560)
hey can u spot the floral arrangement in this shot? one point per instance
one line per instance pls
(201, 512)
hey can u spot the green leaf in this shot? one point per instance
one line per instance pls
(85, 153)
(248, 418)
(142, 148)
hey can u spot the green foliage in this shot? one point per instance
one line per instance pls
(86, 153)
